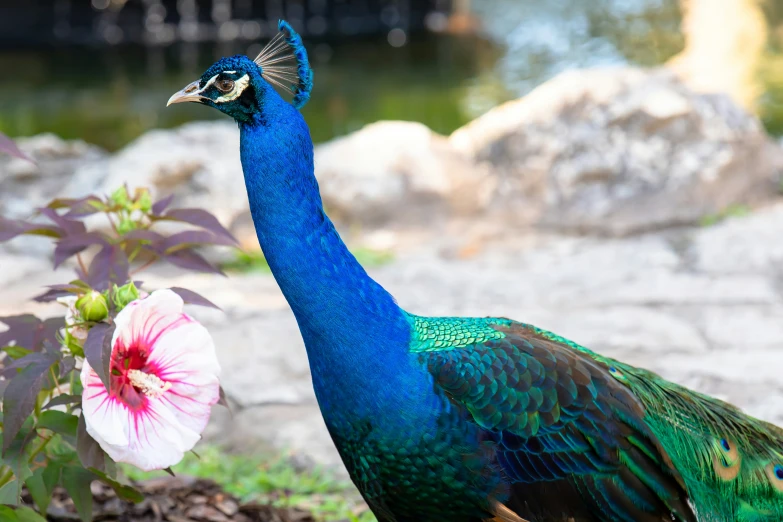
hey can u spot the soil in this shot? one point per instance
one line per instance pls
(172, 499)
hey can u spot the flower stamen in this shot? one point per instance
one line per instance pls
(150, 385)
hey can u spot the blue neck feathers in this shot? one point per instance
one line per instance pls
(355, 334)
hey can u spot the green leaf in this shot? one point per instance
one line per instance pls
(36, 485)
(51, 475)
(16, 352)
(9, 495)
(77, 483)
(18, 458)
(59, 422)
(25, 514)
(127, 493)
(110, 465)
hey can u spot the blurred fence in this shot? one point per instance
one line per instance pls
(158, 22)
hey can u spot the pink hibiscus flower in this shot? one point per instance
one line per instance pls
(164, 381)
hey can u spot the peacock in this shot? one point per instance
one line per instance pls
(472, 419)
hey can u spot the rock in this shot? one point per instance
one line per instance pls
(620, 151)
(198, 162)
(372, 174)
(25, 186)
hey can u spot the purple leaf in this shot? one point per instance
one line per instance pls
(67, 365)
(191, 297)
(10, 228)
(73, 244)
(190, 260)
(56, 291)
(90, 454)
(82, 207)
(110, 265)
(200, 218)
(162, 204)
(144, 235)
(9, 147)
(62, 400)
(28, 331)
(70, 226)
(10, 368)
(19, 397)
(97, 350)
(191, 238)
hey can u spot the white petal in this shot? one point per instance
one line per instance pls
(181, 353)
(146, 318)
(185, 357)
(152, 438)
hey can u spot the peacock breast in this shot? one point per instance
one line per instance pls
(443, 474)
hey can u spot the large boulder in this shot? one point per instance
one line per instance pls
(397, 170)
(618, 151)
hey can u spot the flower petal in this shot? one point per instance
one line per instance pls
(185, 357)
(145, 319)
(151, 437)
(152, 422)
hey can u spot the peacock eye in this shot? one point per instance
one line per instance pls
(775, 475)
(225, 85)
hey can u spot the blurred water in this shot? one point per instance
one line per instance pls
(110, 95)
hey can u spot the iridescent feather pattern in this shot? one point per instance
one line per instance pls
(283, 62)
(621, 439)
(557, 416)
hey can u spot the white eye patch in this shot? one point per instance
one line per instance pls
(240, 85)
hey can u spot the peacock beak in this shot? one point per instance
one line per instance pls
(191, 93)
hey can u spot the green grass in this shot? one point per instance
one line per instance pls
(274, 481)
(248, 262)
(731, 211)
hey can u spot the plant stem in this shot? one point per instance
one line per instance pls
(111, 221)
(6, 476)
(40, 447)
(81, 264)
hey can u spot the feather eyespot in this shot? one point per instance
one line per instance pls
(726, 459)
(617, 374)
(775, 476)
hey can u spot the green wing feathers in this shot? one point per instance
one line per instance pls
(557, 416)
(731, 463)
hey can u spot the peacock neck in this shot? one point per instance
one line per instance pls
(353, 330)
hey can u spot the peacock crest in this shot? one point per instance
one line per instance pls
(283, 62)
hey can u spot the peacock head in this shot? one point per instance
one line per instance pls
(238, 85)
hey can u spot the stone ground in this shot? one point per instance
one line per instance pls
(701, 306)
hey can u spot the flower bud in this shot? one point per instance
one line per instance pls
(144, 200)
(92, 306)
(120, 197)
(125, 294)
(126, 225)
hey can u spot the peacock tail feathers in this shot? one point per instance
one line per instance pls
(731, 463)
(283, 62)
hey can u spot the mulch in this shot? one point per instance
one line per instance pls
(172, 499)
